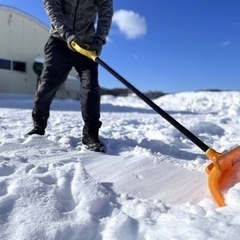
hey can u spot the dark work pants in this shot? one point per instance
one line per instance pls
(59, 60)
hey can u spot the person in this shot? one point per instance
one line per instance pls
(87, 23)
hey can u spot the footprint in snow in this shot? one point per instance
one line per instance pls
(3, 189)
(73, 188)
(6, 170)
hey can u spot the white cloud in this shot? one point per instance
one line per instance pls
(131, 24)
(226, 43)
(108, 39)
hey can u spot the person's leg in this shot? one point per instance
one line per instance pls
(57, 65)
(90, 102)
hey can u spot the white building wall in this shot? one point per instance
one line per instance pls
(22, 38)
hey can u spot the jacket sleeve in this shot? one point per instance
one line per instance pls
(53, 9)
(105, 13)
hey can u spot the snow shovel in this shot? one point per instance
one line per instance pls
(224, 167)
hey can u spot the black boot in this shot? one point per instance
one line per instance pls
(92, 143)
(37, 129)
(90, 137)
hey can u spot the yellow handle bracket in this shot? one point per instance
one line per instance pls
(213, 156)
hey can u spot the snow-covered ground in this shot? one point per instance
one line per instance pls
(151, 184)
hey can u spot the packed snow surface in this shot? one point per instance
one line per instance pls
(150, 185)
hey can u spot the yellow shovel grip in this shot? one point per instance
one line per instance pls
(88, 53)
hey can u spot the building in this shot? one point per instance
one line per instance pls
(22, 39)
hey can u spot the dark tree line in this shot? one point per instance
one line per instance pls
(123, 92)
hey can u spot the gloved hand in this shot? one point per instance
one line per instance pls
(96, 45)
(71, 38)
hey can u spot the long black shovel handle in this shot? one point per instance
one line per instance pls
(92, 55)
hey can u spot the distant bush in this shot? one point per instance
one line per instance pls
(115, 92)
(210, 90)
(124, 92)
(154, 94)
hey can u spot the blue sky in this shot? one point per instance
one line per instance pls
(168, 45)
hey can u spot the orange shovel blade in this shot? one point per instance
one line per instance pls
(223, 173)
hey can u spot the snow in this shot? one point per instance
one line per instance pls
(151, 184)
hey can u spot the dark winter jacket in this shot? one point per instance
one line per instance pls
(80, 17)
